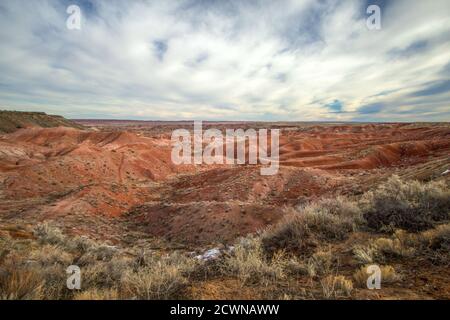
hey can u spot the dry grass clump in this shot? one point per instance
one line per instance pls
(300, 231)
(161, 278)
(366, 254)
(20, 284)
(388, 276)
(49, 255)
(408, 205)
(320, 263)
(382, 249)
(101, 275)
(436, 245)
(393, 248)
(433, 245)
(249, 263)
(295, 267)
(336, 286)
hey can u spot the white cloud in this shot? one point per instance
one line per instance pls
(283, 60)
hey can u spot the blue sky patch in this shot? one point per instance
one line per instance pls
(434, 88)
(335, 106)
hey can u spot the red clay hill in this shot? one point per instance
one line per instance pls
(98, 177)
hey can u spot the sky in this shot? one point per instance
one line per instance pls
(293, 60)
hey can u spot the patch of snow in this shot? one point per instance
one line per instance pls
(213, 254)
(209, 255)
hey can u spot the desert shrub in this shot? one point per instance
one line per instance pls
(365, 254)
(339, 206)
(291, 234)
(163, 278)
(433, 245)
(411, 205)
(388, 276)
(328, 227)
(95, 253)
(49, 258)
(436, 244)
(336, 286)
(383, 249)
(118, 265)
(89, 250)
(19, 280)
(320, 263)
(293, 266)
(55, 282)
(250, 265)
(439, 238)
(47, 234)
(97, 275)
(300, 231)
(105, 274)
(49, 255)
(408, 240)
(81, 244)
(393, 248)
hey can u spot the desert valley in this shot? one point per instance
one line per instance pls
(105, 195)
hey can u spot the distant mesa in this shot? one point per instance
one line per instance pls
(11, 121)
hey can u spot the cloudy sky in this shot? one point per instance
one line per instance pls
(227, 60)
